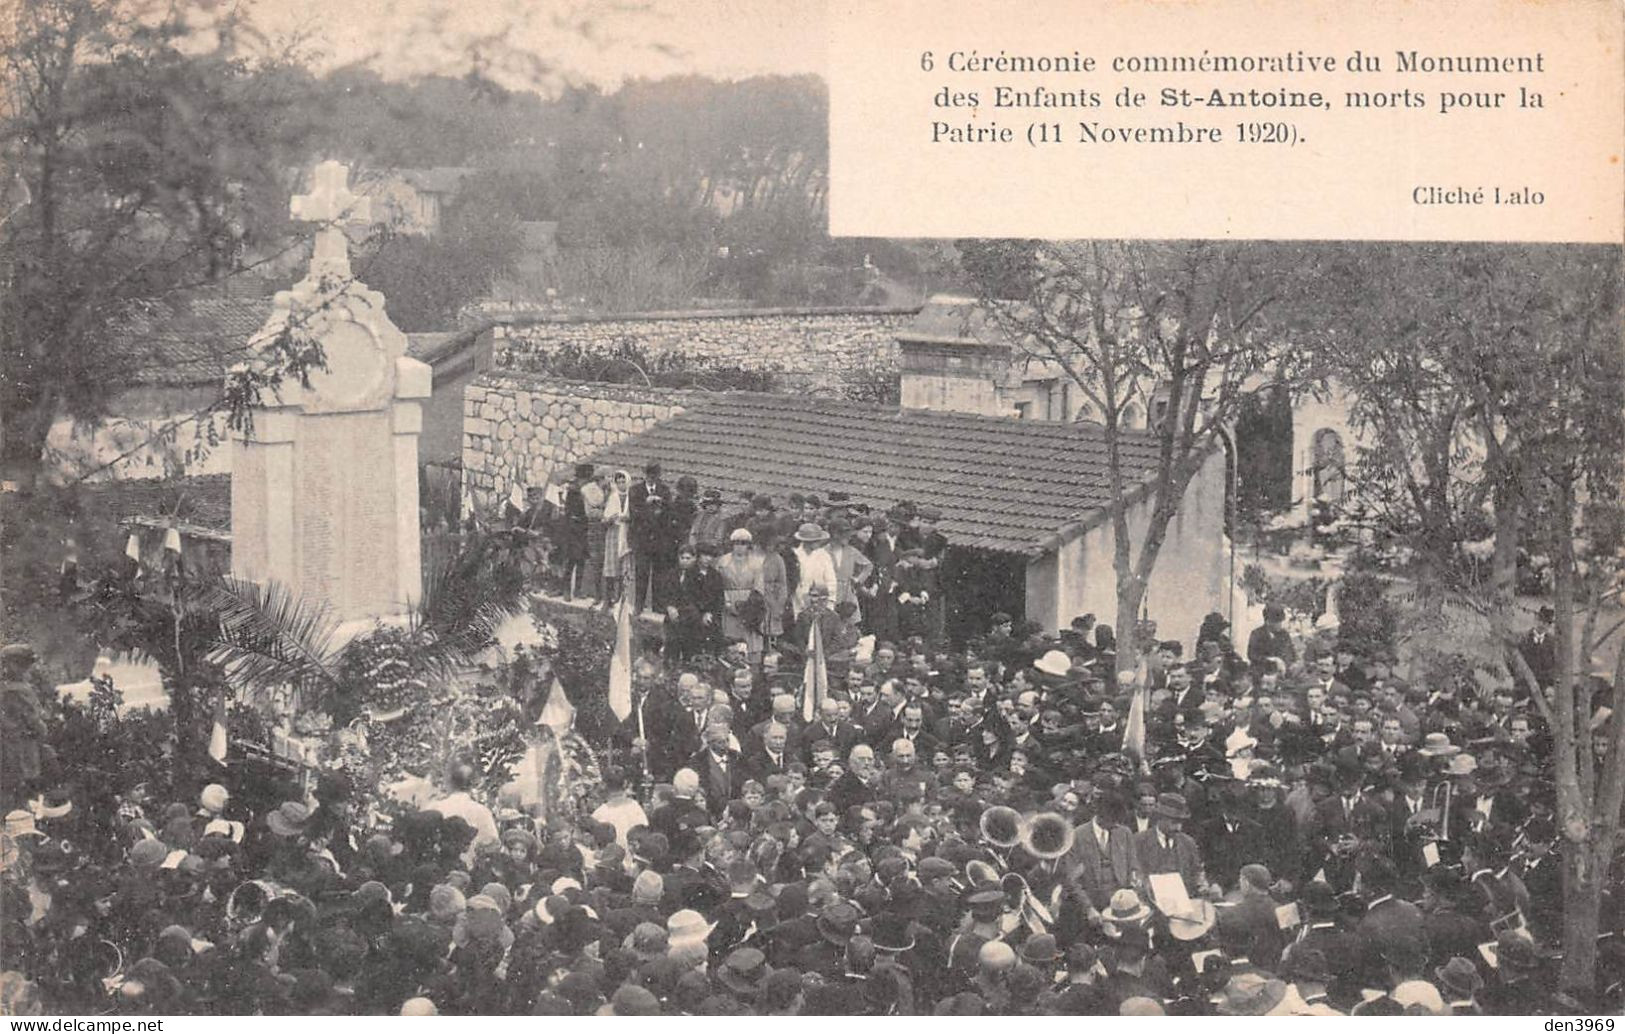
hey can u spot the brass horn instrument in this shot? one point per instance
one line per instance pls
(1002, 826)
(1047, 835)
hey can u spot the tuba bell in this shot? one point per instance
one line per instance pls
(1047, 835)
(1002, 826)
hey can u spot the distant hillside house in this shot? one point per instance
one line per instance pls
(412, 201)
(956, 358)
(1024, 502)
(171, 361)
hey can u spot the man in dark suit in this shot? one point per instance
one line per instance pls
(769, 759)
(1233, 836)
(718, 767)
(911, 726)
(842, 735)
(693, 607)
(879, 595)
(1270, 641)
(639, 735)
(1324, 931)
(653, 546)
(1391, 926)
(1249, 927)
(1348, 811)
(1102, 858)
(1539, 648)
(1166, 848)
(681, 731)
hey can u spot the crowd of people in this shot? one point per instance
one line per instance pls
(742, 577)
(1022, 823)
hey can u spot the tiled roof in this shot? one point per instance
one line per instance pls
(1002, 484)
(195, 342)
(188, 342)
(203, 499)
(947, 319)
(441, 179)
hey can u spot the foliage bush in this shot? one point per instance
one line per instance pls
(1369, 619)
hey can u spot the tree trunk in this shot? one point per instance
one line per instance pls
(1130, 594)
(1583, 877)
(1504, 561)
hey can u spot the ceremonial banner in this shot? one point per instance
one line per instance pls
(620, 662)
(815, 680)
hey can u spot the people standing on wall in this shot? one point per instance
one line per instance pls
(933, 551)
(619, 562)
(880, 595)
(595, 490)
(571, 532)
(653, 548)
(691, 608)
(853, 569)
(740, 569)
(709, 526)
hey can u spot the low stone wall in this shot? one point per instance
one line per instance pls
(518, 428)
(827, 341)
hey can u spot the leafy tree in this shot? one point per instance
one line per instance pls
(1490, 378)
(427, 280)
(148, 165)
(1186, 324)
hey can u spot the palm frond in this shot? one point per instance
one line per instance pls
(270, 636)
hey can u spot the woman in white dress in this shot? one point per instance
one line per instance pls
(617, 545)
(740, 571)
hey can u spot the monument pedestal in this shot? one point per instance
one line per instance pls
(324, 488)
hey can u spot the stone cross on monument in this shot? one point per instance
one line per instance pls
(324, 488)
(331, 204)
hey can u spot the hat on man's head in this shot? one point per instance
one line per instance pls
(1126, 907)
(1460, 977)
(1437, 745)
(838, 922)
(20, 654)
(744, 971)
(810, 532)
(1461, 765)
(1054, 662)
(1172, 806)
(289, 818)
(148, 854)
(1249, 994)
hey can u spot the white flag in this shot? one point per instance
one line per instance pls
(620, 662)
(132, 548)
(558, 712)
(815, 679)
(217, 735)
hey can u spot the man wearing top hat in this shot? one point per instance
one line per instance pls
(654, 546)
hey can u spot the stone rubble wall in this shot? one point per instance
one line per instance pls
(518, 428)
(798, 342)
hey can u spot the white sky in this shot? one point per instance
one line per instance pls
(603, 42)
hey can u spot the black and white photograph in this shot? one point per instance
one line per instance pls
(474, 543)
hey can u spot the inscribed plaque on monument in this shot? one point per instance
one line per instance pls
(347, 512)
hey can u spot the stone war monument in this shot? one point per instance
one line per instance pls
(324, 486)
